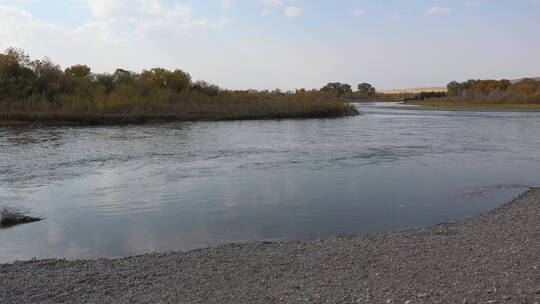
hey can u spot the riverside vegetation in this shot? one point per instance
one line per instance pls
(40, 91)
(524, 93)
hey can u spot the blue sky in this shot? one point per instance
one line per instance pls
(287, 44)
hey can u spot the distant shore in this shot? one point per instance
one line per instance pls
(491, 258)
(465, 108)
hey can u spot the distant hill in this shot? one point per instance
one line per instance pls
(518, 80)
(414, 90)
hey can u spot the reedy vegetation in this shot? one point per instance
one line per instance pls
(38, 90)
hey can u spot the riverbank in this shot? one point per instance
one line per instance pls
(462, 108)
(492, 258)
(61, 119)
(472, 106)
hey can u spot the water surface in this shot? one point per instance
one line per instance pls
(123, 190)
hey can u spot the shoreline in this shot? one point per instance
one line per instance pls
(490, 258)
(7, 120)
(463, 108)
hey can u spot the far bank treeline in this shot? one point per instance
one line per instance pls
(525, 91)
(40, 91)
(503, 93)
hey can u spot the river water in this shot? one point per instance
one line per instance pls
(123, 190)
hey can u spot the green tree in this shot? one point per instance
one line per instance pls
(366, 89)
(337, 88)
(206, 88)
(106, 81)
(16, 75)
(78, 70)
(49, 78)
(453, 88)
(122, 76)
(179, 80)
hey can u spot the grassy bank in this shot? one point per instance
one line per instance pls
(191, 107)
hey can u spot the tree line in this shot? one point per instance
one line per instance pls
(22, 79)
(338, 89)
(504, 91)
(40, 89)
(424, 96)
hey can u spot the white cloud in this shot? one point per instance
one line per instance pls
(13, 11)
(293, 11)
(145, 16)
(271, 3)
(268, 5)
(472, 4)
(437, 10)
(20, 28)
(118, 24)
(105, 8)
(359, 12)
(227, 3)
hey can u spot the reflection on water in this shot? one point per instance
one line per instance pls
(124, 190)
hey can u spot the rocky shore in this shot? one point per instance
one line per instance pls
(492, 258)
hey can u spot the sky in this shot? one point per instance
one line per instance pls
(286, 44)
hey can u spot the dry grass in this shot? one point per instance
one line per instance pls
(114, 109)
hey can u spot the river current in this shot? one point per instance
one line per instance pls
(113, 191)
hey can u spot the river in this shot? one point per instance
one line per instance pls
(114, 191)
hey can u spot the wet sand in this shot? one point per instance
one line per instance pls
(491, 258)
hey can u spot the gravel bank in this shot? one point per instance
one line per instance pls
(492, 258)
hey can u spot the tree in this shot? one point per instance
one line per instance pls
(48, 80)
(106, 81)
(16, 75)
(78, 70)
(13, 62)
(206, 88)
(165, 79)
(366, 89)
(122, 76)
(337, 88)
(453, 88)
(180, 80)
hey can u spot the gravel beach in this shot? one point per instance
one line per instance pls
(492, 258)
